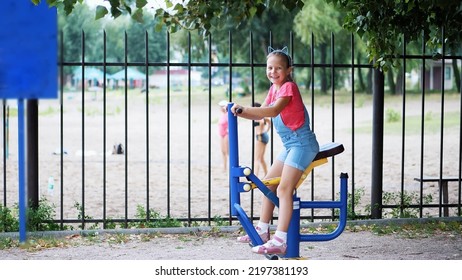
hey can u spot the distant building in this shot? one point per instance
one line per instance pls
(434, 77)
(178, 77)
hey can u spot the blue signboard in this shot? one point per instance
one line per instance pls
(28, 69)
(28, 50)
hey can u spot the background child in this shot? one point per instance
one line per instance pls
(223, 133)
(262, 128)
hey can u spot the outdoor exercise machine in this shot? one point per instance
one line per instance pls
(251, 181)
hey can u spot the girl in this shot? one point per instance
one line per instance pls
(223, 133)
(291, 120)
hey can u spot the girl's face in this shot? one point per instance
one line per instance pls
(277, 69)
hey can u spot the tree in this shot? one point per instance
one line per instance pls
(192, 15)
(118, 7)
(383, 25)
(72, 27)
(319, 20)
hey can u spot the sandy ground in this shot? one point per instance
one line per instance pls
(181, 176)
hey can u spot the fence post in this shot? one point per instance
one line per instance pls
(32, 153)
(377, 144)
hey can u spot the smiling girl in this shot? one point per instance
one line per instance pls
(285, 106)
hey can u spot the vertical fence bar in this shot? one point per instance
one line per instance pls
(126, 125)
(272, 130)
(189, 128)
(209, 168)
(352, 171)
(332, 81)
(422, 125)
(403, 125)
(83, 131)
(252, 80)
(104, 127)
(442, 123)
(61, 134)
(168, 124)
(291, 47)
(230, 67)
(146, 71)
(313, 115)
(230, 98)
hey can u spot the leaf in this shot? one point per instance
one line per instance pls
(115, 12)
(138, 15)
(252, 11)
(179, 8)
(69, 6)
(51, 3)
(101, 12)
(36, 2)
(128, 8)
(141, 3)
(158, 27)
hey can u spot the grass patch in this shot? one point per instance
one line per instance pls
(419, 230)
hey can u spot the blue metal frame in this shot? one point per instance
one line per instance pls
(293, 236)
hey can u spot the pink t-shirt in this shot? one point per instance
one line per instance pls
(223, 125)
(293, 115)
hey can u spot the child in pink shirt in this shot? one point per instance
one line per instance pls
(285, 106)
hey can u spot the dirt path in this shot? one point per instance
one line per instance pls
(211, 245)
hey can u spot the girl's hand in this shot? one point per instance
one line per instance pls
(237, 109)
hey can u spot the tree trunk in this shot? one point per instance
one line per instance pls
(369, 81)
(456, 70)
(391, 81)
(399, 81)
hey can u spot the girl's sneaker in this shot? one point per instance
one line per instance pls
(246, 239)
(275, 246)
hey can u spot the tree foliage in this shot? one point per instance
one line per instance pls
(117, 7)
(382, 24)
(77, 29)
(200, 15)
(205, 15)
(385, 24)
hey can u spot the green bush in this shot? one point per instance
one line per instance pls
(392, 116)
(404, 201)
(8, 222)
(155, 219)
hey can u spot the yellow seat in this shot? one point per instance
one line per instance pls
(325, 151)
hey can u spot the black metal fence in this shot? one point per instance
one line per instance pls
(145, 147)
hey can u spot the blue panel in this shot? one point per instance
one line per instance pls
(28, 50)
